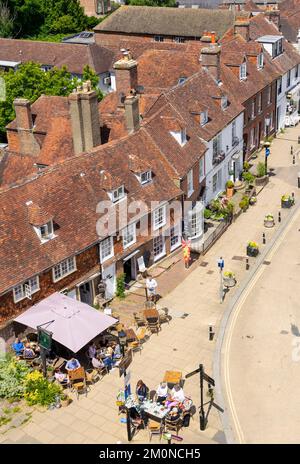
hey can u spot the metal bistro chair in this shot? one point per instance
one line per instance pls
(139, 320)
(155, 428)
(173, 426)
(77, 380)
(154, 326)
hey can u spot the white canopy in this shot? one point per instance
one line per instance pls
(72, 323)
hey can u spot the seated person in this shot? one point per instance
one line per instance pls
(173, 415)
(28, 352)
(117, 352)
(92, 351)
(109, 351)
(141, 390)
(72, 364)
(176, 397)
(161, 392)
(18, 347)
(97, 363)
(60, 377)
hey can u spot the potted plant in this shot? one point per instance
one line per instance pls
(252, 249)
(287, 201)
(244, 203)
(269, 221)
(64, 400)
(229, 279)
(229, 188)
(261, 176)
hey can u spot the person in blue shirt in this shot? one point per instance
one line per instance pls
(72, 364)
(18, 347)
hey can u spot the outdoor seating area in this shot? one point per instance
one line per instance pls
(164, 410)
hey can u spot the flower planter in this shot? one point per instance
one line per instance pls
(229, 281)
(286, 203)
(269, 223)
(64, 403)
(229, 192)
(259, 181)
(252, 251)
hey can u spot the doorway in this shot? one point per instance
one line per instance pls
(130, 270)
(109, 275)
(86, 293)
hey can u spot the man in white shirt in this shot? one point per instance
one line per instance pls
(151, 286)
(161, 392)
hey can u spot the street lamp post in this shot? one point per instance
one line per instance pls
(267, 143)
(123, 340)
(221, 267)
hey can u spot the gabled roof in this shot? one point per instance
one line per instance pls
(70, 193)
(74, 56)
(166, 21)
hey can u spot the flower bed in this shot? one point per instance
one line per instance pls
(252, 249)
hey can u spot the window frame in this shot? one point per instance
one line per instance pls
(122, 188)
(158, 38)
(133, 233)
(201, 168)
(260, 61)
(175, 232)
(22, 285)
(155, 212)
(243, 71)
(101, 245)
(162, 253)
(61, 265)
(148, 177)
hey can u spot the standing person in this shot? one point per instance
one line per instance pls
(141, 390)
(186, 247)
(151, 286)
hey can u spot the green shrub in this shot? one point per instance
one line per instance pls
(248, 177)
(120, 292)
(253, 244)
(229, 184)
(39, 391)
(244, 203)
(261, 169)
(207, 213)
(246, 166)
(12, 375)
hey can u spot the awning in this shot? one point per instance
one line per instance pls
(73, 323)
(131, 255)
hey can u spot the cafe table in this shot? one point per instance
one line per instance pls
(172, 378)
(151, 313)
(153, 410)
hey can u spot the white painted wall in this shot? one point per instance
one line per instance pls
(222, 167)
(282, 100)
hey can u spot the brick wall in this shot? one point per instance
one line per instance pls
(84, 262)
(111, 39)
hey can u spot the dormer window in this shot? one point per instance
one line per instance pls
(260, 61)
(118, 194)
(203, 117)
(224, 103)
(272, 44)
(179, 136)
(46, 231)
(243, 71)
(145, 177)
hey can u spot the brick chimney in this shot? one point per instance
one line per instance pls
(126, 76)
(132, 114)
(85, 122)
(242, 28)
(210, 59)
(27, 142)
(274, 17)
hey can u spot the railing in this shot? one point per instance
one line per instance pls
(213, 237)
(218, 157)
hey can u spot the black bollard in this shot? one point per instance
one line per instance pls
(298, 138)
(247, 264)
(292, 149)
(279, 216)
(210, 333)
(264, 238)
(294, 159)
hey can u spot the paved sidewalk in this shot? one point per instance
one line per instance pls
(182, 344)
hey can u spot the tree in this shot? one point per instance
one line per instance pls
(6, 20)
(30, 81)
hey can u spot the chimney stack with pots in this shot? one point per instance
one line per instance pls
(83, 104)
(274, 17)
(28, 145)
(210, 59)
(126, 76)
